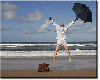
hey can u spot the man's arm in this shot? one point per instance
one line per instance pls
(53, 22)
(70, 24)
(54, 30)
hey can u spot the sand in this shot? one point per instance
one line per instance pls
(80, 66)
(53, 73)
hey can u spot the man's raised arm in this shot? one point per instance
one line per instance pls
(70, 24)
(53, 22)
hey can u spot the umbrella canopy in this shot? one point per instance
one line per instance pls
(83, 12)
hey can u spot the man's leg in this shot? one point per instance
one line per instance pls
(56, 50)
(66, 47)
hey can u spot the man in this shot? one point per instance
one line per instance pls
(61, 36)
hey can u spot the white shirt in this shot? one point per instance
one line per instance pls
(61, 31)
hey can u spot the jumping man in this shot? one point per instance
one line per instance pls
(61, 36)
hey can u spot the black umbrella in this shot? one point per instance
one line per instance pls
(83, 12)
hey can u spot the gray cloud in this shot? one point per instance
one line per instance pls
(73, 30)
(8, 7)
(8, 11)
(93, 30)
(5, 28)
(30, 31)
(78, 27)
(45, 27)
(30, 28)
(78, 24)
(34, 17)
(8, 15)
(18, 29)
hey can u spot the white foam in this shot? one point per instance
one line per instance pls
(7, 54)
(16, 45)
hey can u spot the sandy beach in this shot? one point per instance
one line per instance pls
(80, 66)
(88, 73)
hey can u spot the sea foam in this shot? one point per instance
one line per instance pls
(30, 54)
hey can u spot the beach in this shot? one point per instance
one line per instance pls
(87, 73)
(80, 66)
(23, 59)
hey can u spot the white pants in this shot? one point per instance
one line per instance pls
(61, 42)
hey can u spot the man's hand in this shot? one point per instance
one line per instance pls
(75, 19)
(50, 18)
(54, 30)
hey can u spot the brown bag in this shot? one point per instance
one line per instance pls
(43, 67)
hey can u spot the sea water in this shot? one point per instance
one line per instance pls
(45, 49)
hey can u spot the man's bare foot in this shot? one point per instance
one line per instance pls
(53, 62)
(69, 59)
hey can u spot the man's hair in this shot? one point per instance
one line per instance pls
(62, 25)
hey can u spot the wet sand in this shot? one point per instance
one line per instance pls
(80, 66)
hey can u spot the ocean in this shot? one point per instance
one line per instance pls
(44, 49)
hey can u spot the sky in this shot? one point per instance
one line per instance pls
(28, 21)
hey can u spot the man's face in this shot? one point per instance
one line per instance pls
(62, 23)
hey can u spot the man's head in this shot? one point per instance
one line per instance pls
(62, 24)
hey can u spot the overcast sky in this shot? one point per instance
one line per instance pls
(28, 21)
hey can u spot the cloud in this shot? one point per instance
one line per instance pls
(78, 23)
(30, 28)
(9, 15)
(18, 29)
(79, 26)
(8, 11)
(74, 29)
(8, 7)
(45, 27)
(81, 37)
(34, 17)
(30, 31)
(93, 30)
(5, 28)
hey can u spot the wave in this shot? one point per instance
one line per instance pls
(30, 54)
(20, 45)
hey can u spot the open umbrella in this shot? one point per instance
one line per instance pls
(83, 12)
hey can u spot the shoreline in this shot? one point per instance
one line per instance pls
(32, 54)
(49, 57)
